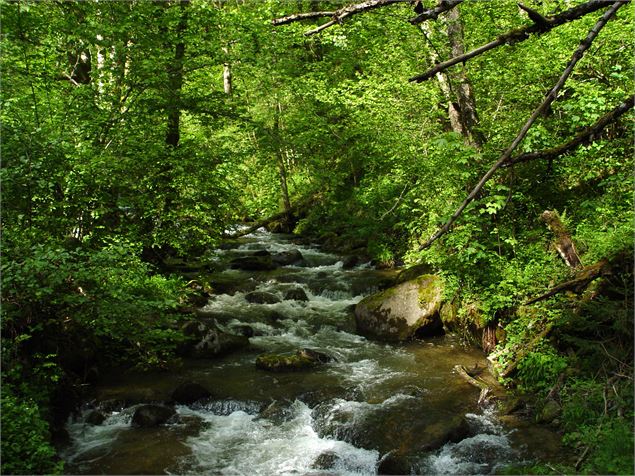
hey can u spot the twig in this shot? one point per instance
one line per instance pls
(395, 205)
(577, 55)
(581, 458)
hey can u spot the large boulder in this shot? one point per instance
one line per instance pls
(286, 258)
(261, 297)
(205, 340)
(253, 263)
(400, 312)
(152, 415)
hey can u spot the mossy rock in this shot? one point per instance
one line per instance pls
(400, 312)
(304, 359)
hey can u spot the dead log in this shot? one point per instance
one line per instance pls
(583, 278)
(474, 381)
(563, 244)
(551, 96)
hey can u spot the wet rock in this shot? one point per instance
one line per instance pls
(394, 463)
(244, 330)
(413, 272)
(296, 294)
(450, 430)
(207, 341)
(262, 253)
(350, 262)
(189, 392)
(286, 258)
(261, 297)
(397, 313)
(315, 355)
(253, 263)
(152, 415)
(95, 417)
(303, 359)
(549, 412)
(326, 460)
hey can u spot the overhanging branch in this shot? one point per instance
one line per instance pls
(539, 27)
(582, 137)
(340, 15)
(577, 55)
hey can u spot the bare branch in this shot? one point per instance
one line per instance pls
(300, 16)
(516, 36)
(433, 13)
(582, 137)
(340, 15)
(577, 55)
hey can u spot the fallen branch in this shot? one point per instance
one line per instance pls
(577, 284)
(474, 381)
(577, 55)
(277, 216)
(584, 136)
(516, 36)
(338, 16)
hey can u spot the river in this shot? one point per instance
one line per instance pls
(371, 402)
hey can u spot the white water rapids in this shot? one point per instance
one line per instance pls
(370, 401)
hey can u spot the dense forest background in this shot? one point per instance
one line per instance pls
(137, 131)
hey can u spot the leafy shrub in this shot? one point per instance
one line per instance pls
(25, 438)
(108, 297)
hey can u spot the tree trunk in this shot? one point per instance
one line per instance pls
(227, 73)
(175, 75)
(463, 90)
(282, 169)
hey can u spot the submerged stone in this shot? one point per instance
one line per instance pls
(400, 312)
(95, 417)
(296, 294)
(286, 258)
(208, 341)
(152, 415)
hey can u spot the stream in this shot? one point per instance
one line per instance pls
(373, 407)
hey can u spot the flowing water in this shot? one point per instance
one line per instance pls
(371, 402)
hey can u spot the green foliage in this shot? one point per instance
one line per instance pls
(107, 295)
(539, 370)
(25, 438)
